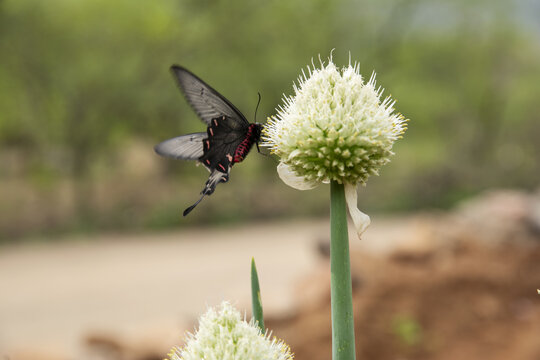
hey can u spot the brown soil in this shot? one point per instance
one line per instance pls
(473, 302)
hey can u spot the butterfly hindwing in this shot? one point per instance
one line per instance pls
(224, 136)
(207, 102)
(215, 178)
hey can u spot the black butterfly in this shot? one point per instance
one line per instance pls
(227, 140)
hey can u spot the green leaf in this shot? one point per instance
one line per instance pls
(256, 303)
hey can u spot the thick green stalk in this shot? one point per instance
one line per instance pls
(341, 288)
(256, 303)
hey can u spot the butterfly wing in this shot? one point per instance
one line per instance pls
(186, 147)
(215, 178)
(223, 137)
(215, 149)
(207, 102)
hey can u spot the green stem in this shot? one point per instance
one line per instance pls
(341, 288)
(256, 303)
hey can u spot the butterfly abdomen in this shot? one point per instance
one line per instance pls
(244, 147)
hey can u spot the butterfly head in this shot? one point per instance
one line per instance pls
(257, 131)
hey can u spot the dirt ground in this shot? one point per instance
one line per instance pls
(459, 285)
(473, 303)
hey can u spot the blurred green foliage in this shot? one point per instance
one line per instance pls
(407, 329)
(82, 81)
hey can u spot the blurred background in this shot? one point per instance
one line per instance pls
(85, 93)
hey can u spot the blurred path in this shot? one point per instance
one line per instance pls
(54, 295)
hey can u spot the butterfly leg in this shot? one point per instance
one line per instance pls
(259, 150)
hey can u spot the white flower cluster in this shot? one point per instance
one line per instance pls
(335, 127)
(224, 335)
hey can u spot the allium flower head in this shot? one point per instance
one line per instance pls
(334, 128)
(224, 335)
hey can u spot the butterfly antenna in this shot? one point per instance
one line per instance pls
(188, 210)
(256, 108)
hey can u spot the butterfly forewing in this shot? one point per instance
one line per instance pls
(206, 101)
(186, 147)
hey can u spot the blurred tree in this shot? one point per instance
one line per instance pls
(78, 80)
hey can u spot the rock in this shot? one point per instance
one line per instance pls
(499, 216)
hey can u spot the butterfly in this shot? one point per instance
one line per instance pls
(228, 138)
